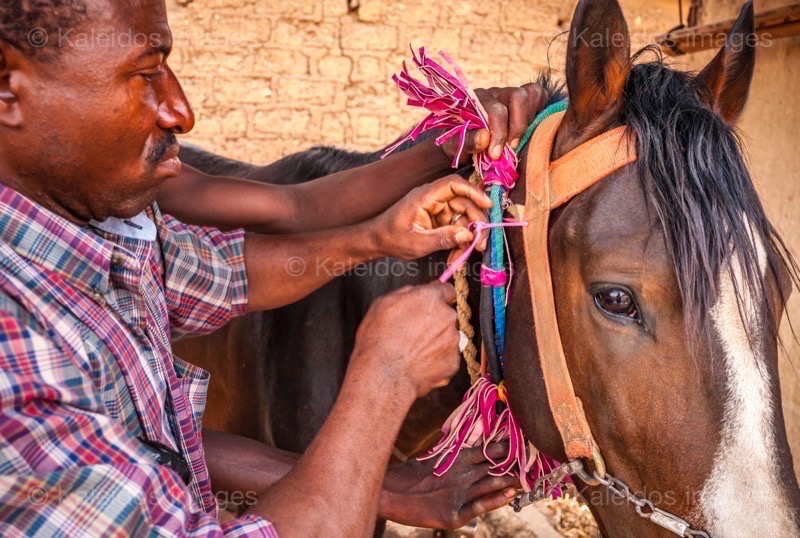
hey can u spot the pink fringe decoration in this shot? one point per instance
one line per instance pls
(476, 422)
(453, 107)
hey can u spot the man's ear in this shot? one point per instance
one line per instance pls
(11, 59)
(598, 62)
(728, 76)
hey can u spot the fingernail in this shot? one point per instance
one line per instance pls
(497, 151)
(462, 237)
(510, 493)
(515, 143)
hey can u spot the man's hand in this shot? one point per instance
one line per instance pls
(423, 221)
(410, 335)
(510, 111)
(413, 496)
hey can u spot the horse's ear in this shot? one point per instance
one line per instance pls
(598, 62)
(727, 77)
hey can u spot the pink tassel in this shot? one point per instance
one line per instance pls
(454, 107)
(476, 422)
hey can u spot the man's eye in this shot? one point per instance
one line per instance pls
(617, 302)
(150, 74)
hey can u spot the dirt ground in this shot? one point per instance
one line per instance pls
(558, 518)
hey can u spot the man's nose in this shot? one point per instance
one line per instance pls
(174, 112)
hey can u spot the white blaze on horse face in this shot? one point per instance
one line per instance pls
(742, 496)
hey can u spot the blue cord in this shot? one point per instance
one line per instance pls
(497, 239)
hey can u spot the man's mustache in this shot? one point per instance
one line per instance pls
(161, 148)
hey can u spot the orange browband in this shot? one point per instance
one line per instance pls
(549, 185)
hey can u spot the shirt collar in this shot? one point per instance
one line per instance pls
(39, 235)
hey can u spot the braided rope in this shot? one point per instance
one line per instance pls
(464, 313)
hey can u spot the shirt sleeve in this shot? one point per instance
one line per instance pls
(205, 281)
(66, 469)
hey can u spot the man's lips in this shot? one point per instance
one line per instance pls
(170, 165)
(172, 152)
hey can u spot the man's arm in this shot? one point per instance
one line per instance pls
(284, 269)
(332, 201)
(406, 346)
(243, 468)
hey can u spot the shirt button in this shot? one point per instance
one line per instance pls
(116, 259)
(98, 297)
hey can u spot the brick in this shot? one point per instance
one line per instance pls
(363, 37)
(336, 128)
(370, 69)
(302, 91)
(280, 121)
(271, 61)
(528, 15)
(293, 34)
(234, 123)
(230, 90)
(335, 67)
(367, 129)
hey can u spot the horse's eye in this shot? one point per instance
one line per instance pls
(617, 302)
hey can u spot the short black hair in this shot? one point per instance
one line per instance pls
(32, 25)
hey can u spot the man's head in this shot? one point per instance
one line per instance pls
(89, 108)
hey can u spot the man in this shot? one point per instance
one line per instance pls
(99, 423)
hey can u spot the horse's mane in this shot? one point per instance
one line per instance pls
(300, 167)
(692, 165)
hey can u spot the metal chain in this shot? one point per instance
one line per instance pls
(545, 484)
(647, 510)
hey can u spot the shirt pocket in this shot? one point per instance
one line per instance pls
(194, 381)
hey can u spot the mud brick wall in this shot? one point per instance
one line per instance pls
(268, 78)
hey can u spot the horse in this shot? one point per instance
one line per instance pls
(669, 284)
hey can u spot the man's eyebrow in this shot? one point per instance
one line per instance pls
(162, 49)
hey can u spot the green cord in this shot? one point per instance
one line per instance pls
(558, 106)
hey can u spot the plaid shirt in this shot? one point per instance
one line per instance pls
(86, 368)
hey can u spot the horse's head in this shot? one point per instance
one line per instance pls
(669, 284)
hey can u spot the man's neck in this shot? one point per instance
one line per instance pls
(43, 199)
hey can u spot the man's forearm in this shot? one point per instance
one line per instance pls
(248, 468)
(360, 193)
(341, 199)
(283, 269)
(355, 441)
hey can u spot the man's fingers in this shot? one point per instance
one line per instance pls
(475, 141)
(464, 206)
(447, 237)
(487, 503)
(447, 188)
(489, 485)
(537, 98)
(498, 120)
(518, 113)
(445, 290)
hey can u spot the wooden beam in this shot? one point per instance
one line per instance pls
(772, 24)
